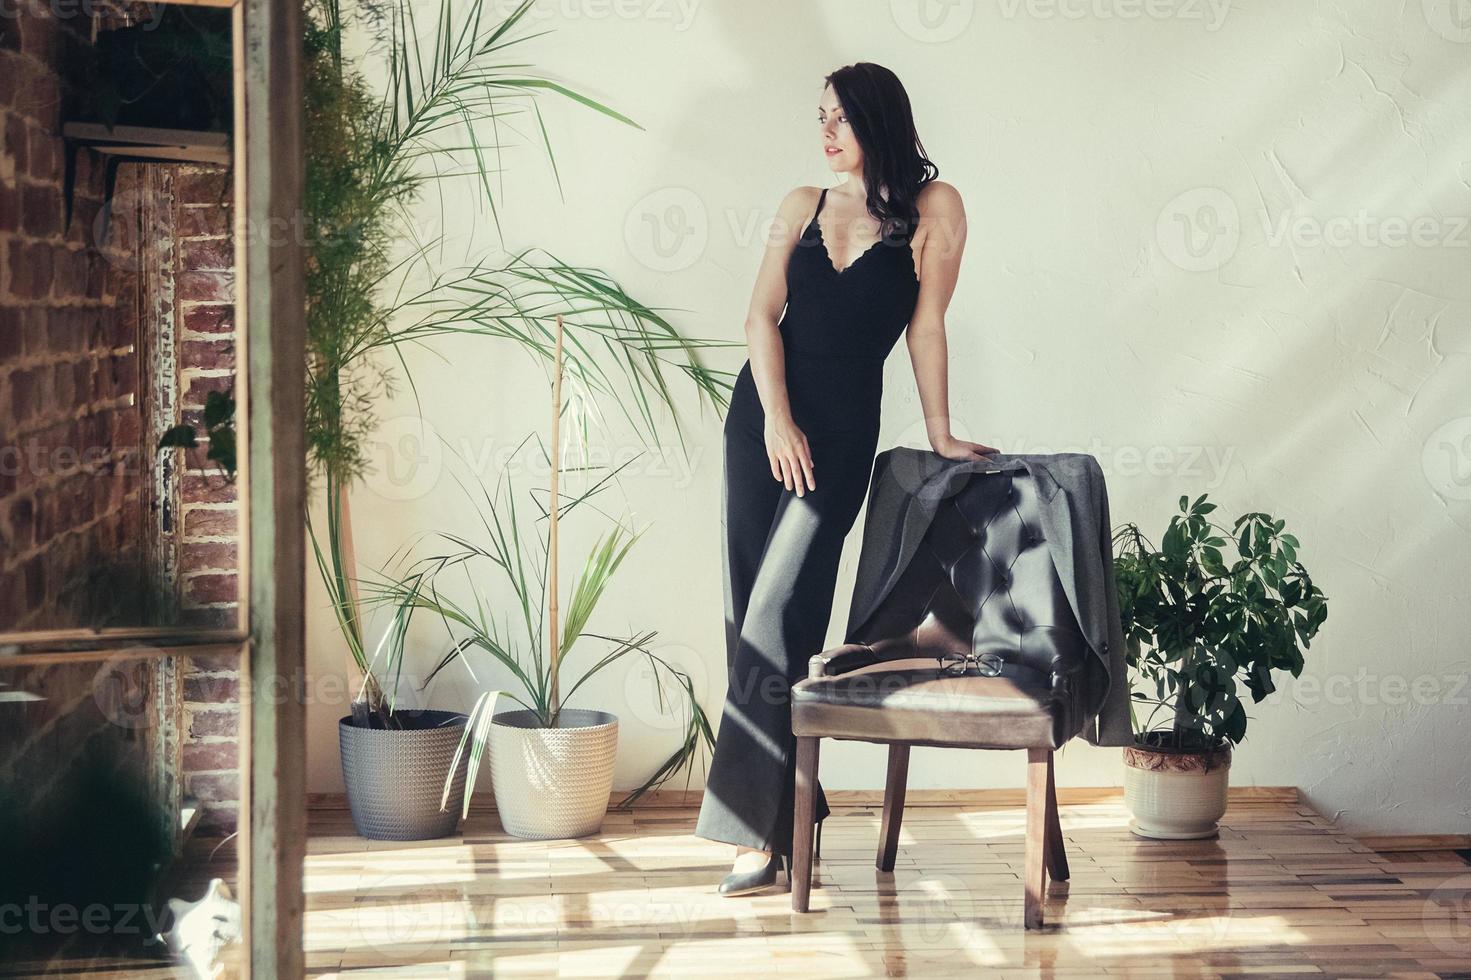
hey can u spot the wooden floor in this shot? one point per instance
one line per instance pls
(1278, 893)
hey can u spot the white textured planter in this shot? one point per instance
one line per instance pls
(1176, 795)
(552, 783)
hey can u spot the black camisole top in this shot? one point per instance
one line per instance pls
(838, 328)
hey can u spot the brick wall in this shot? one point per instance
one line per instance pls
(209, 556)
(100, 344)
(99, 741)
(71, 497)
(204, 296)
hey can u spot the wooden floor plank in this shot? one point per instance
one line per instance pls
(1281, 892)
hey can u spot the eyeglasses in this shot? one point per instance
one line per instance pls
(956, 664)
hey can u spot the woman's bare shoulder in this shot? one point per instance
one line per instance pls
(939, 197)
(801, 198)
(795, 207)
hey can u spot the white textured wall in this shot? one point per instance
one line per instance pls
(1223, 247)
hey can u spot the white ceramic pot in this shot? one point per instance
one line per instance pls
(552, 783)
(1176, 795)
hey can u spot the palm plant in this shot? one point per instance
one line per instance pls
(371, 284)
(533, 582)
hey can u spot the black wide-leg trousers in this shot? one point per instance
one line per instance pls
(781, 554)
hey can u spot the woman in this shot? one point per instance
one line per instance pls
(879, 252)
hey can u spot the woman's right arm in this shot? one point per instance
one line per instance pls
(786, 444)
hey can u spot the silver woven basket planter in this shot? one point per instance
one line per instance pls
(395, 778)
(552, 783)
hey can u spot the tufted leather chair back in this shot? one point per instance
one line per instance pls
(983, 581)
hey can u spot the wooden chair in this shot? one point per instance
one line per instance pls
(982, 584)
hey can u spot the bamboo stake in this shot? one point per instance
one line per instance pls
(349, 555)
(372, 693)
(552, 534)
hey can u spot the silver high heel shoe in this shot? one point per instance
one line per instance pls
(742, 882)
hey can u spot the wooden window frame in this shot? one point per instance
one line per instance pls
(267, 163)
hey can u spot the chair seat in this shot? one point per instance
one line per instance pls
(911, 701)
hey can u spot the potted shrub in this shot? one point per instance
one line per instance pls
(404, 775)
(551, 765)
(1197, 631)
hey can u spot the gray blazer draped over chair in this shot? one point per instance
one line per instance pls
(1006, 563)
(909, 485)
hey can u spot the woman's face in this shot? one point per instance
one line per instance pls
(839, 144)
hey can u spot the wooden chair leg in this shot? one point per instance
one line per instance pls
(1034, 862)
(1056, 852)
(894, 786)
(802, 821)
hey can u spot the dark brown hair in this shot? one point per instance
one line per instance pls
(878, 109)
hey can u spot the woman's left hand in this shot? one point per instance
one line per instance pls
(953, 448)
